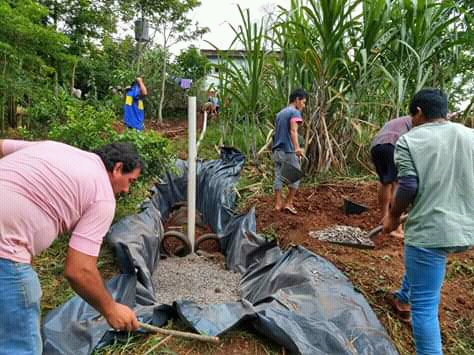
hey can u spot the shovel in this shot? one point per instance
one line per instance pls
(291, 174)
(373, 233)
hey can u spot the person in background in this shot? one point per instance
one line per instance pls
(211, 99)
(435, 163)
(286, 147)
(133, 110)
(217, 103)
(382, 152)
(49, 188)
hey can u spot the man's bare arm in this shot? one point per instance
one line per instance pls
(141, 84)
(84, 277)
(294, 138)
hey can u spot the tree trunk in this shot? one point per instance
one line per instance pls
(138, 50)
(2, 97)
(162, 94)
(73, 77)
(12, 121)
(56, 83)
(2, 108)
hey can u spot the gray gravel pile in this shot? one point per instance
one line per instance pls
(203, 280)
(342, 234)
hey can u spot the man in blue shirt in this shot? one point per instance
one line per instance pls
(286, 148)
(133, 110)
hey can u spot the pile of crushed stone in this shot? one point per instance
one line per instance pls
(343, 234)
(201, 279)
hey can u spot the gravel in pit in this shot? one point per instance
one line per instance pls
(202, 279)
(343, 234)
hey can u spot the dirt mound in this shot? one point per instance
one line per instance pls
(373, 272)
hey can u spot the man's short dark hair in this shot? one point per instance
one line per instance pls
(120, 152)
(432, 102)
(298, 94)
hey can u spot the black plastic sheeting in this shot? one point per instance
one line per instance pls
(296, 298)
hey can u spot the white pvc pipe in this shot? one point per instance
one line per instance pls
(191, 169)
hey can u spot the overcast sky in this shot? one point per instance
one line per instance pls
(217, 14)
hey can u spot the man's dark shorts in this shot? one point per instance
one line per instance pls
(383, 159)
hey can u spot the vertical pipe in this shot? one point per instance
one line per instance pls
(191, 169)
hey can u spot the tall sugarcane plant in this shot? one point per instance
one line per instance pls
(360, 60)
(245, 81)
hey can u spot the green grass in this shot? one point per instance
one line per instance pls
(130, 203)
(352, 175)
(50, 266)
(460, 268)
(150, 344)
(218, 135)
(209, 147)
(462, 341)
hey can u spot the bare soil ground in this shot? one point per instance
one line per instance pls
(171, 128)
(373, 272)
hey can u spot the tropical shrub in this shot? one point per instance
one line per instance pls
(87, 127)
(154, 149)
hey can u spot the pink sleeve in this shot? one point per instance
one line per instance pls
(296, 119)
(94, 224)
(12, 145)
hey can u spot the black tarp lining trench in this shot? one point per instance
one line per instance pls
(295, 297)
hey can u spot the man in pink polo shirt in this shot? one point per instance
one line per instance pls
(46, 189)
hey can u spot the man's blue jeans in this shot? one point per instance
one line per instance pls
(20, 294)
(421, 287)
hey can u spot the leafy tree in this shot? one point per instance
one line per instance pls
(173, 25)
(106, 67)
(151, 69)
(28, 51)
(83, 21)
(144, 8)
(191, 64)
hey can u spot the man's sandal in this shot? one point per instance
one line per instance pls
(292, 210)
(401, 310)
